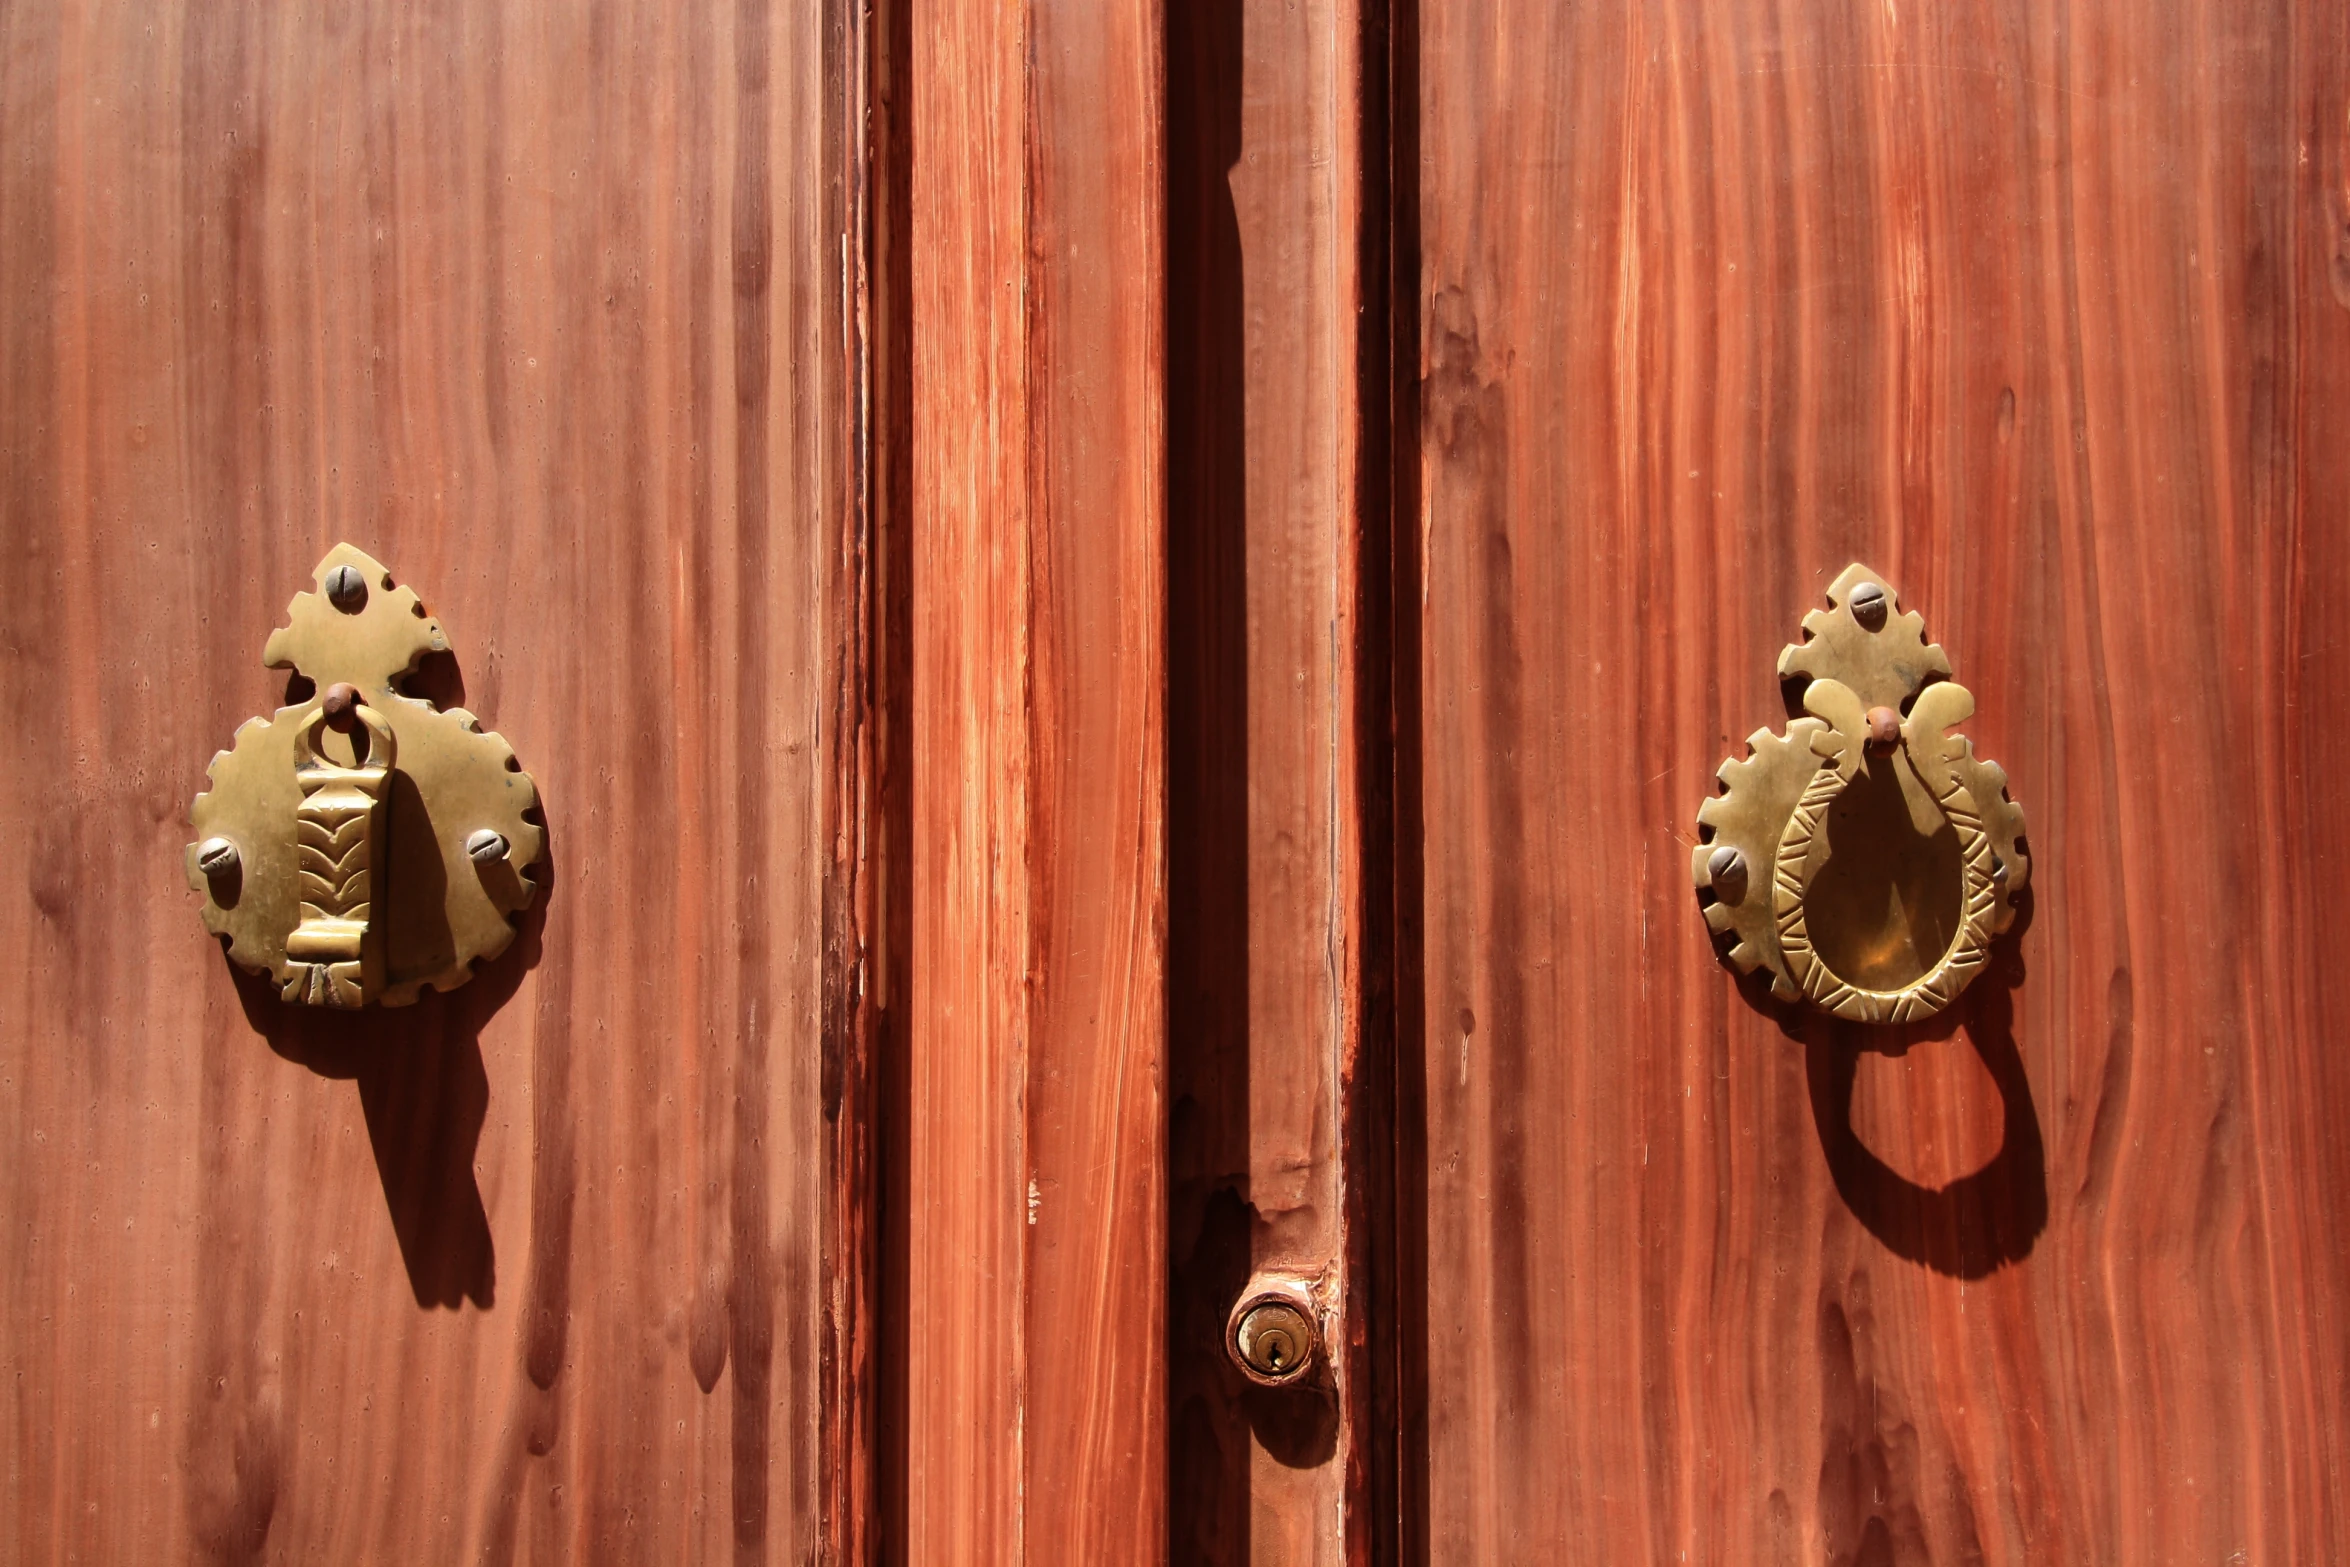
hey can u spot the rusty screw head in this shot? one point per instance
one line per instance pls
(217, 857)
(341, 703)
(486, 846)
(1884, 729)
(346, 589)
(1868, 606)
(1725, 869)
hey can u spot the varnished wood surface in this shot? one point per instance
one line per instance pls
(1035, 1209)
(551, 307)
(543, 305)
(1262, 827)
(2043, 314)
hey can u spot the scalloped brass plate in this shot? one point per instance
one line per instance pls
(433, 883)
(1866, 858)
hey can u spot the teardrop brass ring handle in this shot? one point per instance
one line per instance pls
(1864, 860)
(1925, 742)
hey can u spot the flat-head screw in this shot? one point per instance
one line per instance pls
(1725, 870)
(217, 857)
(346, 589)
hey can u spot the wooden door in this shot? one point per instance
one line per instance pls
(1121, 613)
(1532, 371)
(2042, 313)
(548, 307)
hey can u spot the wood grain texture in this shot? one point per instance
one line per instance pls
(545, 305)
(1263, 830)
(2041, 313)
(1034, 1174)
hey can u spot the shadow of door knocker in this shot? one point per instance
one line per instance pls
(360, 882)
(1893, 852)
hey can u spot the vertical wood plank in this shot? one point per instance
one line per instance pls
(2043, 318)
(967, 1157)
(1265, 828)
(545, 306)
(1096, 1113)
(1035, 1272)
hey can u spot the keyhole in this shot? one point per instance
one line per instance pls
(1272, 1341)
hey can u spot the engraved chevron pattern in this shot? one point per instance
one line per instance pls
(333, 863)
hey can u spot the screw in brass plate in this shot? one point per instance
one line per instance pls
(1725, 868)
(1868, 606)
(1884, 729)
(485, 846)
(217, 858)
(346, 590)
(1272, 1337)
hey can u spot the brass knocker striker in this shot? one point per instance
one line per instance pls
(361, 881)
(1888, 853)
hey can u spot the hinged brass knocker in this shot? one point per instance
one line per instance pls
(336, 952)
(362, 880)
(1867, 858)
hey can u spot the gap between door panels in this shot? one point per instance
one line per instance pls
(1386, 1125)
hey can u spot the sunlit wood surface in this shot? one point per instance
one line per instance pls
(2044, 313)
(1265, 896)
(541, 304)
(1033, 1119)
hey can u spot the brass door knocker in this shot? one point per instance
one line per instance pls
(337, 950)
(362, 880)
(1893, 853)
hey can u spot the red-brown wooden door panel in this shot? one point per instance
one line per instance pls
(2039, 313)
(544, 305)
(1122, 613)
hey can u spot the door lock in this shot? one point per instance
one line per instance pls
(1273, 1335)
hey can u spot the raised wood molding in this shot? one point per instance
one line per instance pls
(1034, 1265)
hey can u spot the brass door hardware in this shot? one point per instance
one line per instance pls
(363, 877)
(1274, 1334)
(1889, 854)
(338, 843)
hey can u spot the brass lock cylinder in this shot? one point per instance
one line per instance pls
(1274, 1334)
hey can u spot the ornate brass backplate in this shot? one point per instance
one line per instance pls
(364, 877)
(1866, 857)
